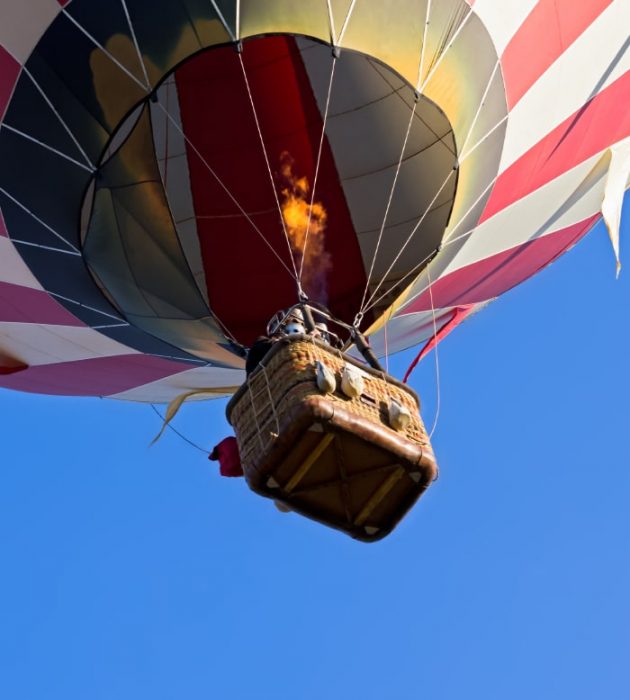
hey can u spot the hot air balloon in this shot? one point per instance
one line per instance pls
(171, 175)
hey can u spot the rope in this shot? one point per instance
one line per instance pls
(371, 302)
(389, 202)
(225, 188)
(345, 22)
(60, 119)
(407, 241)
(273, 186)
(437, 358)
(47, 147)
(181, 435)
(424, 41)
(319, 155)
(135, 43)
(74, 250)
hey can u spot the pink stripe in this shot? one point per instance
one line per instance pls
(102, 376)
(547, 32)
(9, 71)
(25, 305)
(493, 276)
(3, 226)
(602, 121)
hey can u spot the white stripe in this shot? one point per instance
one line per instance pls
(579, 73)
(40, 344)
(175, 174)
(166, 389)
(503, 18)
(544, 211)
(13, 269)
(22, 24)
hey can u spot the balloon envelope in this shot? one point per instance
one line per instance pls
(169, 177)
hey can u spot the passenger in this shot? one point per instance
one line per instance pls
(279, 327)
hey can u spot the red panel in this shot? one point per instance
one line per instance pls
(602, 121)
(101, 376)
(550, 28)
(458, 315)
(25, 305)
(3, 226)
(9, 71)
(493, 276)
(246, 284)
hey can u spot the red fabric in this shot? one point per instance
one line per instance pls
(9, 72)
(458, 315)
(245, 282)
(20, 304)
(550, 28)
(99, 376)
(492, 276)
(3, 227)
(226, 453)
(596, 125)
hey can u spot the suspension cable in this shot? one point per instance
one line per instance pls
(273, 185)
(178, 433)
(437, 358)
(319, 155)
(225, 188)
(389, 202)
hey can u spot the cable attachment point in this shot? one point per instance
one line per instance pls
(238, 46)
(336, 51)
(417, 95)
(357, 320)
(302, 295)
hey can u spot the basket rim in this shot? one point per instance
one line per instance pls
(284, 342)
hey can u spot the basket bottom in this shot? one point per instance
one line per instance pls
(345, 481)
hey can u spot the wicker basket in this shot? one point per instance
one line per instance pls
(328, 457)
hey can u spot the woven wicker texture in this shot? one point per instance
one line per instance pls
(288, 375)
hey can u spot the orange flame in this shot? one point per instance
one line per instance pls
(301, 217)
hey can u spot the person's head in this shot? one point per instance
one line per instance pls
(295, 323)
(289, 324)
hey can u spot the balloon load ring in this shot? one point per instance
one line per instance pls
(346, 461)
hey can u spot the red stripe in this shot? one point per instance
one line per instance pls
(3, 226)
(547, 32)
(246, 284)
(493, 276)
(25, 305)
(9, 71)
(602, 121)
(102, 376)
(457, 316)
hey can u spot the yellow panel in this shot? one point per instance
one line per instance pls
(340, 9)
(389, 30)
(207, 31)
(308, 17)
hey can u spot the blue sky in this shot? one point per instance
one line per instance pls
(137, 572)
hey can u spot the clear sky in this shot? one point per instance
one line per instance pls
(132, 572)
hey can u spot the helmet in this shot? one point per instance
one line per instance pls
(295, 323)
(294, 327)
